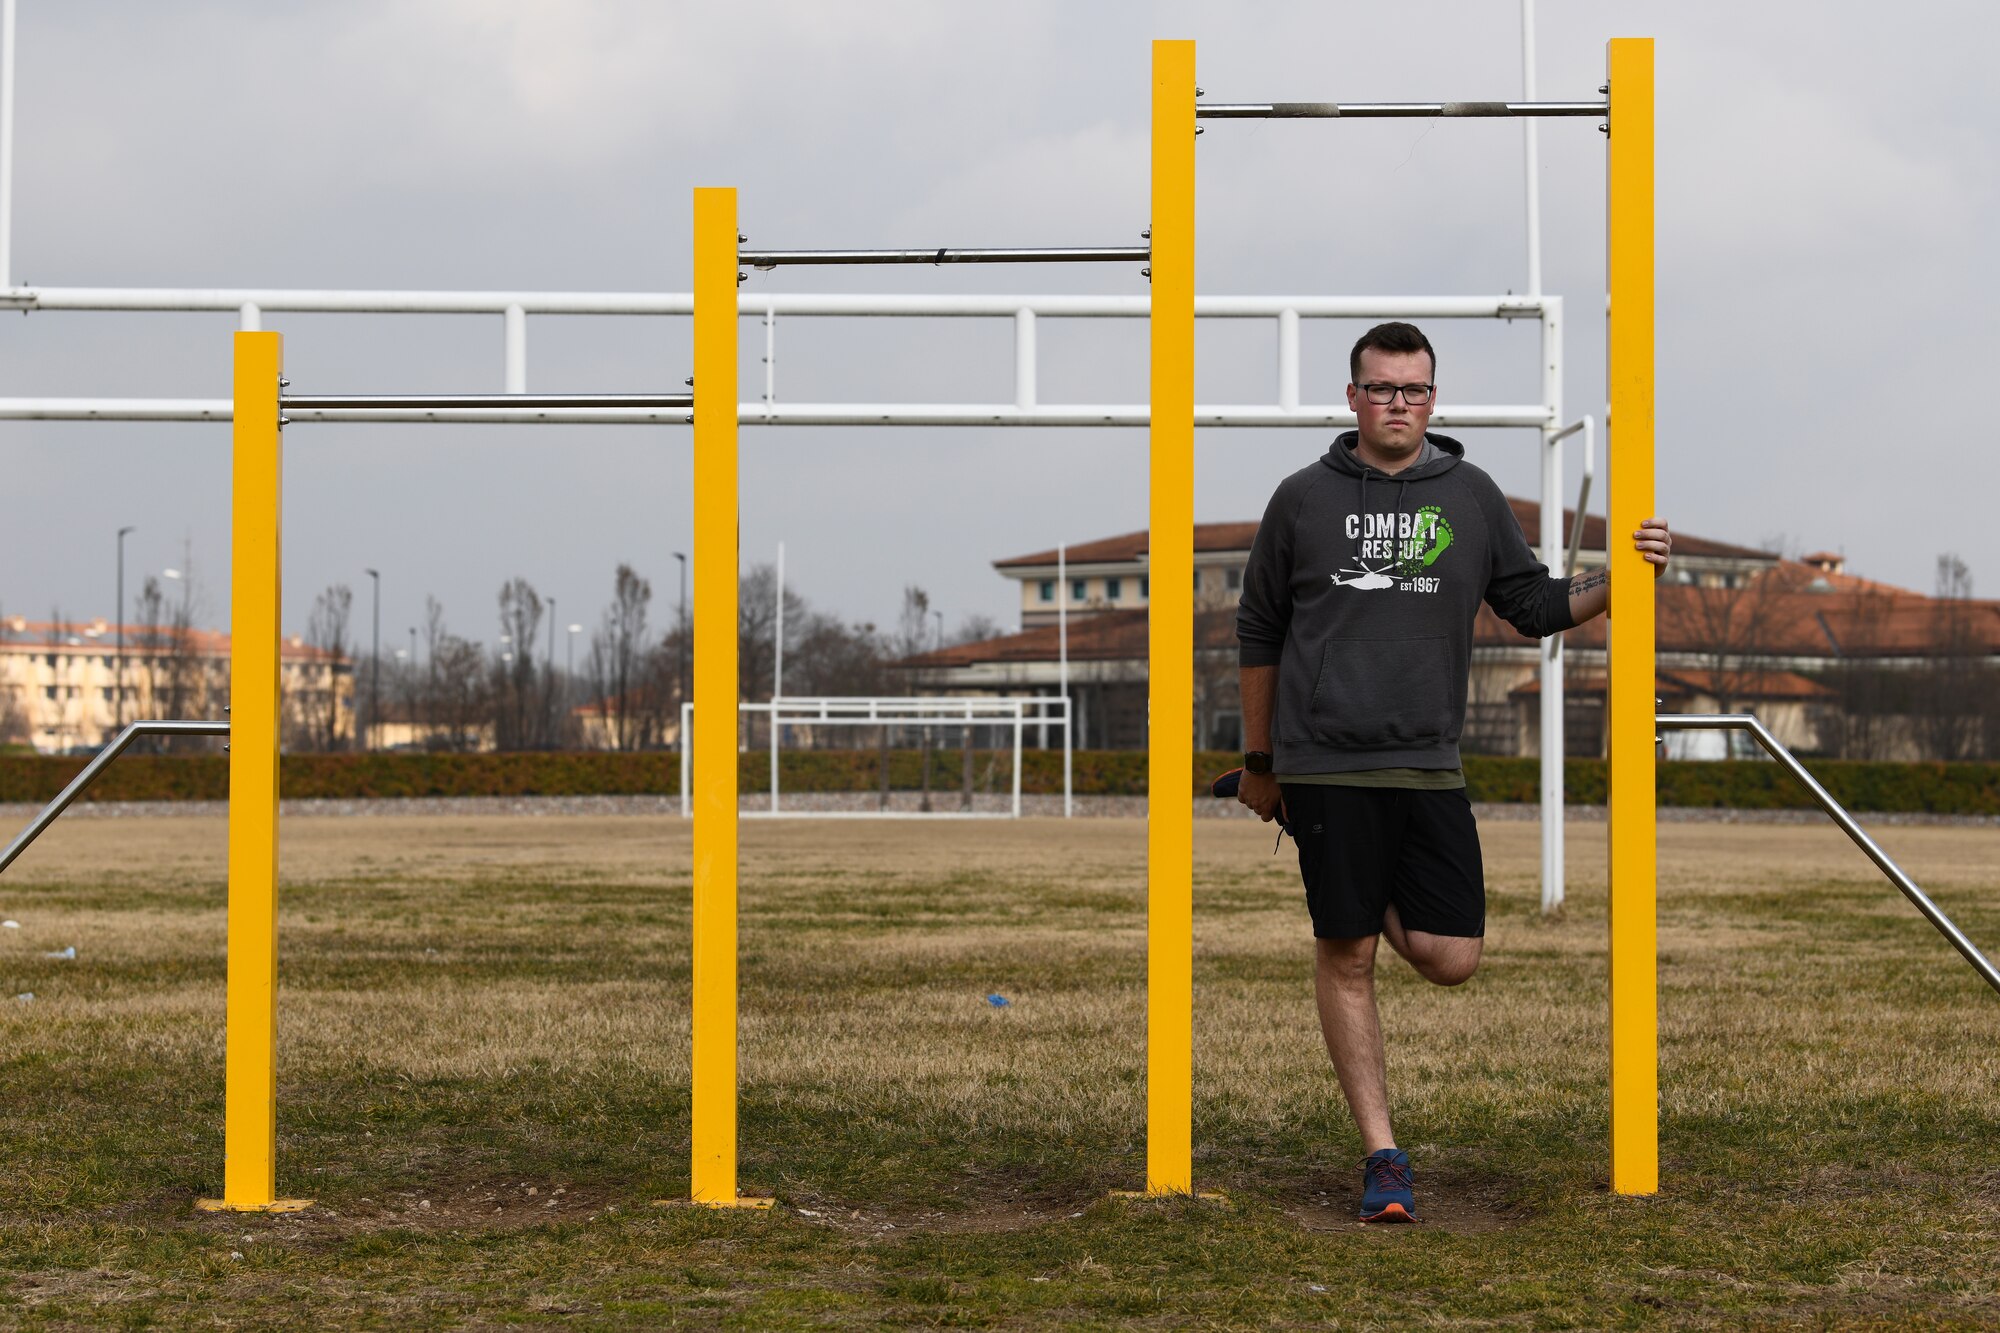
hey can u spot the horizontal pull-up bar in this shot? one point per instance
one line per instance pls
(468, 402)
(1073, 254)
(1331, 110)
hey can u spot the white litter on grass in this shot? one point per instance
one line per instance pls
(1314, 1286)
(25, 996)
(62, 953)
(10, 925)
(807, 1212)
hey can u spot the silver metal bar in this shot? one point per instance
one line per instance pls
(1358, 110)
(512, 409)
(756, 303)
(470, 402)
(97, 765)
(1075, 254)
(1932, 913)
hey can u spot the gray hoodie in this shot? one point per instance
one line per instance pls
(1362, 588)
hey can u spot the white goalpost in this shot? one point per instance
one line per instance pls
(1046, 714)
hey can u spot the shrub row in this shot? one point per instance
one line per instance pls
(1972, 789)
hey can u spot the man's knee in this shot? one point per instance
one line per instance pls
(1347, 961)
(1449, 967)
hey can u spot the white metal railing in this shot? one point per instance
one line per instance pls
(512, 307)
(251, 304)
(1045, 712)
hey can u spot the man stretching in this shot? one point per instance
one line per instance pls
(1356, 644)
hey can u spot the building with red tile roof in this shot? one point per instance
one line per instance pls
(1834, 663)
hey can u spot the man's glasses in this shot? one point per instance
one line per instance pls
(1416, 395)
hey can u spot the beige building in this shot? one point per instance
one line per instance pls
(65, 686)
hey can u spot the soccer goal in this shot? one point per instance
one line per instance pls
(894, 720)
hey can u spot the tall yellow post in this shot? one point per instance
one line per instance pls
(713, 1178)
(1170, 636)
(250, 1098)
(1635, 1055)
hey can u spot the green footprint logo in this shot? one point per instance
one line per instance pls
(1430, 538)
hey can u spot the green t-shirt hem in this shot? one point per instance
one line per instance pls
(1410, 779)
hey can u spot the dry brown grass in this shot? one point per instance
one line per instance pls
(476, 1007)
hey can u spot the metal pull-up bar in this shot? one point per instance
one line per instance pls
(1071, 254)
(469, 402)
(1359, 110)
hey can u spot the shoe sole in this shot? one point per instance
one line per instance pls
(1394, 1212)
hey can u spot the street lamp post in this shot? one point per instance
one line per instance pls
(374, 665)
(120, 687)
(682, 557)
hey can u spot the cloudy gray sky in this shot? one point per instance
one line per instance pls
(1823, 271)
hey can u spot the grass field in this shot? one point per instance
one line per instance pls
(483, 1081)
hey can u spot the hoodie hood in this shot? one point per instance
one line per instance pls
(1340, 457)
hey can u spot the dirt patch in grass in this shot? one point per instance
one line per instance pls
(1448, 1199)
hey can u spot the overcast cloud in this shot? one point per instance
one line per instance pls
(1827, 175)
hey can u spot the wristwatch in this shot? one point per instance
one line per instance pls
(1257, 761)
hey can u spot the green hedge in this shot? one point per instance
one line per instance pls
(1972, 789)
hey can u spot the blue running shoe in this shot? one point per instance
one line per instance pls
(1386, 1195)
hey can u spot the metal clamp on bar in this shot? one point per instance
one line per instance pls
(97, 765)
(1358, 110)
(1775, 748)
(466, 402)
(1078, 254)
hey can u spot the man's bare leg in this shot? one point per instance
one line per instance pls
(1446, 960)
(1344, 985)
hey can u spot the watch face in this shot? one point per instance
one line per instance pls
(1256, 761)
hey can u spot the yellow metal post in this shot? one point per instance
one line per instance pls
(250, 1098)
(1635, 1056)
(713, 1179)
(1170, 635)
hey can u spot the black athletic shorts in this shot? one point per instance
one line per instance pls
(1363, 848)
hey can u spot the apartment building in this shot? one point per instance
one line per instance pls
(66, 686)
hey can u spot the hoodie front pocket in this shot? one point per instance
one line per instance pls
(1379, 694)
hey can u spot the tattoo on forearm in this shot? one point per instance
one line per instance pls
(1595, 578)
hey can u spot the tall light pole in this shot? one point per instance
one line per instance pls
(374, 664)
(120, 689)
(682, 557)
(413, 687)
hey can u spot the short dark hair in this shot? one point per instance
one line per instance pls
(1392, 337)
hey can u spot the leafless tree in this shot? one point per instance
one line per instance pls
(151, 607)
(1860, 723)
(618, 659)
(523, 695)
(456, 706)
(1731, 632)
(326, 630)
(185, 679)
(1949, 708)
